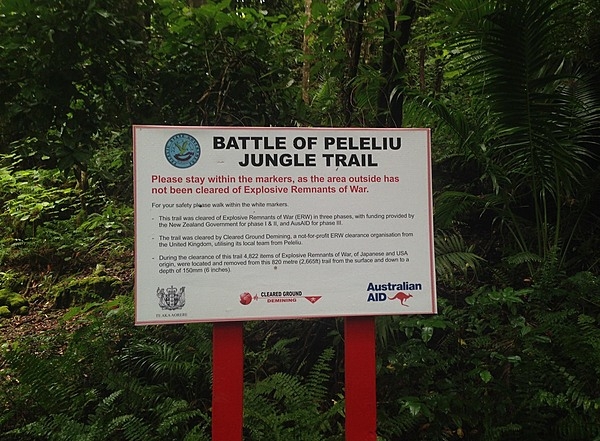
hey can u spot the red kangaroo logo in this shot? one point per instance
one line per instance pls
(402, 297)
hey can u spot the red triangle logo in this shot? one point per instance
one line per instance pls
(313, 299)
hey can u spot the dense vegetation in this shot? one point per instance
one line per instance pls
(512, 91)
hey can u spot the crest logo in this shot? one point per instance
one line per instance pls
(171, 299)
(182, 150)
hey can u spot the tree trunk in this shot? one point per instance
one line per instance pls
(354, 40)
(393, 63)
(306, 53)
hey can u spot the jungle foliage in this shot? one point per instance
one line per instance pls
(511, 91)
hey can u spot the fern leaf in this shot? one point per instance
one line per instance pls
(452, 255)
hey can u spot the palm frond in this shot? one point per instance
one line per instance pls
(523, 258)
(453, 256)
(448, 205)
(543, 108)
(523, 78)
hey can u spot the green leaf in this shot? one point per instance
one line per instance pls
(426, 333)
(486, 376)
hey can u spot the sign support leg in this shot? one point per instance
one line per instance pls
(228, 381)
(361, 396)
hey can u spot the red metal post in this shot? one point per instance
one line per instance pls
(361, 396)
(228, 381)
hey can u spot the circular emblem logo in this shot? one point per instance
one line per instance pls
(182, 150)
(245, 298)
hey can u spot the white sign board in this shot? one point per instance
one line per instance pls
(276, 223)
